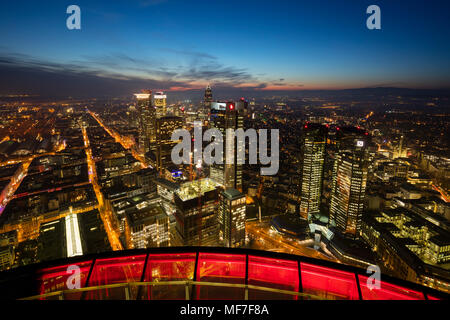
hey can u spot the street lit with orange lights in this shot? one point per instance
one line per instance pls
(444, 195)
(105, 213)
(126, 143)
(270, 240)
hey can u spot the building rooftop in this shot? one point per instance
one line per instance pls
(232, 193)
(144, 213)
(193, 189)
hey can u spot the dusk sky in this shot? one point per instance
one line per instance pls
(253, 45)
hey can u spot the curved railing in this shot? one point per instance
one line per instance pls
(202, 273)
(127, 289)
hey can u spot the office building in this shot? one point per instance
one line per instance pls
(224, 116)
(313, 143)
(146, 120)
(165, 126)
(160, 103)
(149, 226)
(232, 218)
(349, 183)
(208, 98)
(7, 257)
(196, 213)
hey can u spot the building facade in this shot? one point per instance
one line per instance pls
(314, 141)
(232, 218)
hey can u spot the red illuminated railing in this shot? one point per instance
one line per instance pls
(218, 273)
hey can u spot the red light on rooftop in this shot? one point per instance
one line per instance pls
(231, 106)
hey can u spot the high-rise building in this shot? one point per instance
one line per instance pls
(196, 213)
(165, 126)
(224, 116)
(349, 182)
(314, 140)
(146, 120)
(159, 99)
(7, 256)
(73, 235)
(232, 218)
(208, 98)
(133, 116)
(149, 225)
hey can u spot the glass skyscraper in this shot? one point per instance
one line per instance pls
(349, 183)
(146, 120)
(314, 140)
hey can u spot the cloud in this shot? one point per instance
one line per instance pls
(121, 74)
(194, 54)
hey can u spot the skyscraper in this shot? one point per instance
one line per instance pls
(146, 120)
(208, 98)
(314, 140)
(232, 218)
(165, 126)
(349, 182)
(224, 116)
(133, 116)
(196, 213)
(160, 103)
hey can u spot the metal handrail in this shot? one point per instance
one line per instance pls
(186, 283)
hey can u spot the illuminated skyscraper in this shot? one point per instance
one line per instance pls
(227, 115)
(232, 218)
(196, 213)
(160, 103)
(349, 183)
(208, 98)
(146, 120)
(314, 140)
(165, 126)
(133, 116)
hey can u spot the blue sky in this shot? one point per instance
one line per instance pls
(261, 45)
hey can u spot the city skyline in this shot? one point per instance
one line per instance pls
(203, 150)
(173, 46)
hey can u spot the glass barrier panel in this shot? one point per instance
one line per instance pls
(328, 283)
(167, 267)
(63, 277)
(272, 273)
(222, 268)
(116, 270)
(387, 291)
